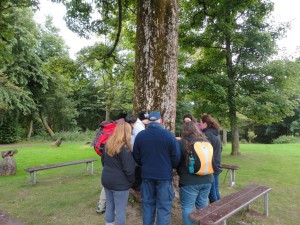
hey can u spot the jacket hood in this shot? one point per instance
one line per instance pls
(212, 131)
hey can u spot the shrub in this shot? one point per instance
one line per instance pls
(286, 139)
(75, 135)
(243, 141)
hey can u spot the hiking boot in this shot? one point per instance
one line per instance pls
(100, 208)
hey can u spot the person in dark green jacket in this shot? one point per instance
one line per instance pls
(211, 129)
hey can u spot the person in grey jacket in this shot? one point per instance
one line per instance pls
(211, 129)
(118, 174)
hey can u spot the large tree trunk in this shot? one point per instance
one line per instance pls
(156, 59)
(44, 122)
(235, 148)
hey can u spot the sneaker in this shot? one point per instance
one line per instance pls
(100, 208)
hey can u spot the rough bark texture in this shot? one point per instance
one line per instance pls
(30, 130)
(8, 165)
(224, 137)
(57, 142)
(156, 59)
(235, 149)
(44, 122)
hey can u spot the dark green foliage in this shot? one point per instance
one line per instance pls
(90, 112)
(289, 126)
(10, 130)
(184, 107)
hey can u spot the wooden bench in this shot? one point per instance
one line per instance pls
(232, 173)
(219, 211)
(33, 170)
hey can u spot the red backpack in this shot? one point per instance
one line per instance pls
(106, 128)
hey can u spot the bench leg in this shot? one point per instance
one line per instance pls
(248, 208)
(232, 178)
(266, 205)
(92, 168)
(32, 177)
(224, 222)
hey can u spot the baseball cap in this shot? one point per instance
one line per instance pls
(154, 116)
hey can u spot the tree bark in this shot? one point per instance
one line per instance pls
(44, 122)
(235, 148)
(30, 130)
(156, 59)
(224, 137)
(8, 165)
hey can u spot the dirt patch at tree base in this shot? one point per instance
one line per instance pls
(6, 219)
(134, 212)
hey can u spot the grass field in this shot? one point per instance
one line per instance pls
(69, 195)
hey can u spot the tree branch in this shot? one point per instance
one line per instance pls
(109, 54)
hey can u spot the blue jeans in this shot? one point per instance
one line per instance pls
(214, 194)
(157, 196)
(190, 196)
(116, 201)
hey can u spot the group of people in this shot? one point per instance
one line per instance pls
(135, 152)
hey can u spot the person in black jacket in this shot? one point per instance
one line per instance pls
(211, 129)
(118, 174)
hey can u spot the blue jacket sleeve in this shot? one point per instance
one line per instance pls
(136, 152)
(175, 152)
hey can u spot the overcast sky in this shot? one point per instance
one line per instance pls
(285, 10)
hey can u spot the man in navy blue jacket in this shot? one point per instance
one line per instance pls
(157, 151)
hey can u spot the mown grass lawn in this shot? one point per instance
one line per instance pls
(69, 195)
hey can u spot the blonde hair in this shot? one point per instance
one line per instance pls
(120, 137)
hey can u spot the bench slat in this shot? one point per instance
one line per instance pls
(195, 216)
(32, 169)
(230, 167)
(233, 206)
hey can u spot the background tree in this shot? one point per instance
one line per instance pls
(22, 69)
(238, 41)
(111, 81)
(55, 107)
(7, 25)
